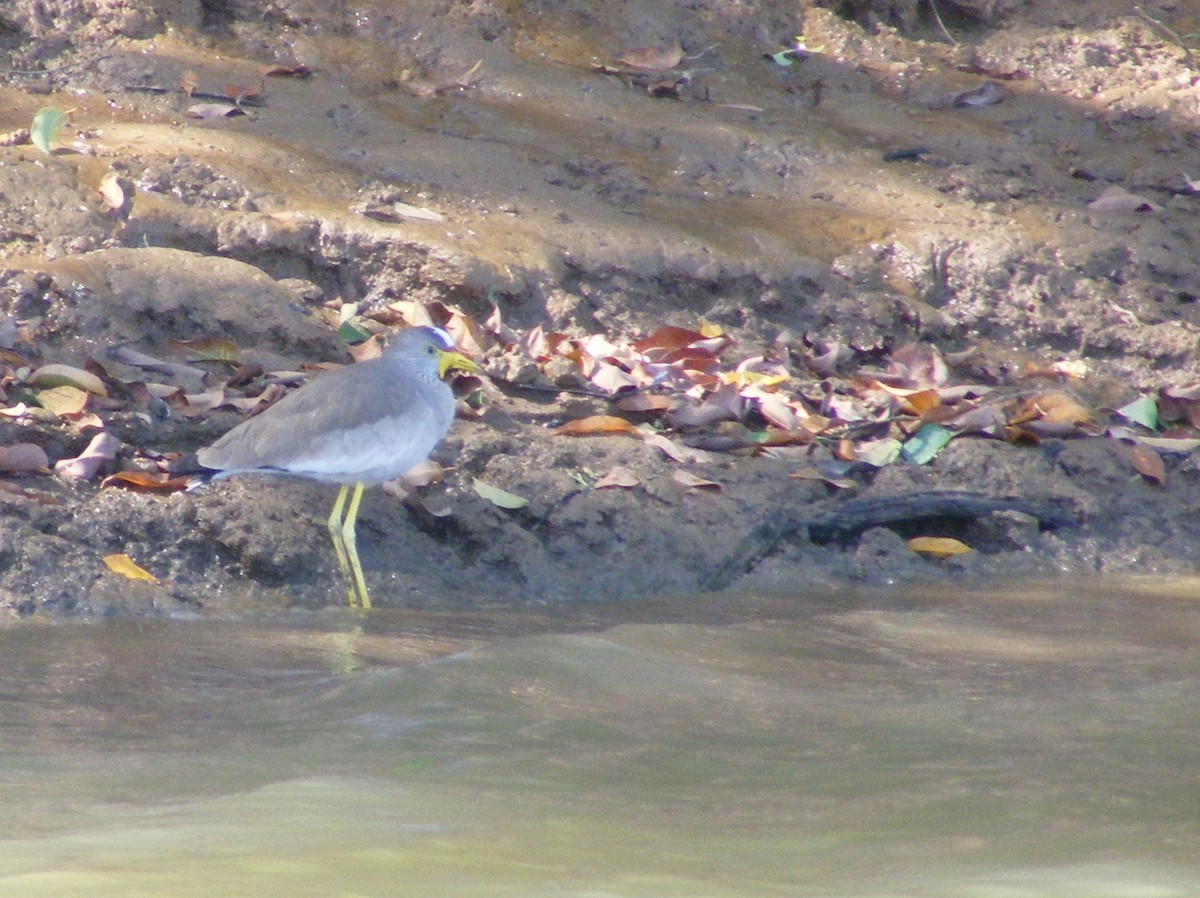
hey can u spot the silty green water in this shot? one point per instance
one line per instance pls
(995, 746)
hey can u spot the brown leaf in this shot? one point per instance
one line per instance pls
(425, 473)
(921, 402)
(619, 477)
(22, 458)
(240, 92)
(671, 450)
(596, 425)
(146, 481)
(652, 59)
(1052, 413)
(693, 482)
(845, 450)
(468, 336)
(919, 365)
(810, 473)
(644, 402)
(668, 339)
(286, 70)
(1147, 462)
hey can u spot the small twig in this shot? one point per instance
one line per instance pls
(702, 52)
(1163, 30)
(942, 25)
(195, 95)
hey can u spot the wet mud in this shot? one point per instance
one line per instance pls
(876, 187)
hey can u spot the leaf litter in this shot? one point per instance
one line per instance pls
(674, 389)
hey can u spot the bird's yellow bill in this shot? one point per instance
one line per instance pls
(448, 361)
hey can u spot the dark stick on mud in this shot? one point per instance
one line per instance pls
(854, 516)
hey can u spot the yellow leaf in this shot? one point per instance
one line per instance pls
(122, 564)
(209, 349)
(595, 424)
(63, 401)
(938, 546)
(745, 378)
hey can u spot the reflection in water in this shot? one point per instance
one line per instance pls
(889, 745)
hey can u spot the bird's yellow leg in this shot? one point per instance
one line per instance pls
(339, 547)
(351, 541)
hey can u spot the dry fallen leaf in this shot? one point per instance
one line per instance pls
(22, 458)
(67, 376)
(498, 497)
(694, 482)
(425, 473)
(1052, 413)
(209, 349)
(1117, 199)
(644, 402)
(938, 546)
(113, 191)
(1147, 462)
(596, 425)
(99, 452)
(213, 110)
(285, 70)
(122, 564)
(63, 401)
(668, 338)
(619, 477)
(810, 473)
(652, 59)
(919, 366)
(673, 451)
(145, 481)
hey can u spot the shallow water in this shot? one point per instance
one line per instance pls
(1009, 745)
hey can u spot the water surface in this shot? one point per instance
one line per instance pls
(1024, 743)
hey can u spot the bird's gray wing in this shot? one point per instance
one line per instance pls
(346, 419)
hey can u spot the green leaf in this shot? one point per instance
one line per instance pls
(1142, 410)
(351, 333)
(926, 443)
(46, 125)
(498, 497)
